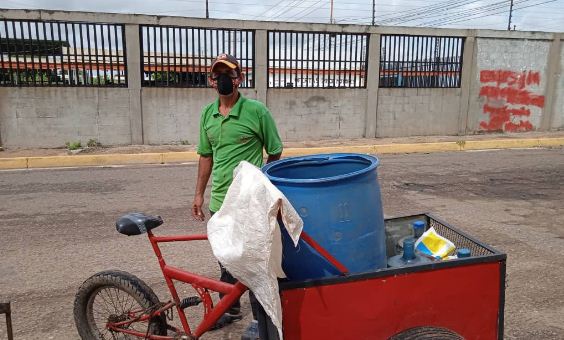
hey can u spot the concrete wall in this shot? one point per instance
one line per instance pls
(172, 115)
(558, 118)
(50, 116)
(511, 81)
(310, 114)
(412, 112)
(509, 85)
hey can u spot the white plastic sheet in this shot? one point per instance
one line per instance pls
(245, 237)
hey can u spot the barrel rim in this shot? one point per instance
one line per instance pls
(374, 162)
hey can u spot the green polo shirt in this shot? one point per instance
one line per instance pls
(241, 135)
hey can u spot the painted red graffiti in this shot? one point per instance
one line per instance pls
(508, 99)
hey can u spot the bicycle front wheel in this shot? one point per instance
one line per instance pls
(114, 296)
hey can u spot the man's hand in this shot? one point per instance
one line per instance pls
(197, 212)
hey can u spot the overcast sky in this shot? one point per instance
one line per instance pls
(530, 15)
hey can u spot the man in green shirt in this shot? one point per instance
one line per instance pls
(232, 129)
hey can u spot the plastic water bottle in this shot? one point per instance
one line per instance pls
(416, 231)
(462, 253)
(408, 257)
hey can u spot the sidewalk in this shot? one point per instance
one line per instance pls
(161, 154)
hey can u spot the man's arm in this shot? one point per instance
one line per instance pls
(272, 158)
(205, 165)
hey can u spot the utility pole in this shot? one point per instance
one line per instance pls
(331, 19)
(207, 10)
(510, 14)
(373, 12)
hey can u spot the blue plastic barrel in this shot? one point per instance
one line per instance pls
(338, 198)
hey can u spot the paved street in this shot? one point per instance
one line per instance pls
(58, 229)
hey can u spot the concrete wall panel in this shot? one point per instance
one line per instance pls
(508, 90)
(558, 118)
(51, 116)
(417, 112)
(310, 114)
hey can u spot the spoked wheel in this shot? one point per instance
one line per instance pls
(427, 333)
(111, 297)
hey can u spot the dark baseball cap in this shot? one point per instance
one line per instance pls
(228, 60)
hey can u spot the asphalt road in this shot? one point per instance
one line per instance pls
(57, 229)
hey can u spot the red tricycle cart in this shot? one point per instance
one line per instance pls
(455, 299)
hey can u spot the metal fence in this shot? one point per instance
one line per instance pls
(317, 60)
(55, 53)
(420, 61)
(181, 56)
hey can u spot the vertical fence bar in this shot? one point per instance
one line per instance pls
(167, 30)
(75, 47)
(217, 51)
(124, 49)
(148, 69)
(390, 66)
(39, 51)
(9, 48)
(16, 52)
(52, 52)
(431, 64)
(153, 75)
(82, 54)
(284, 67)
(2, 62)
(417, 61)
(175, 73)
(54, 47)
(277, 65)
(291, 59)
(190, 74)
(333, 63)
(200, 57)
(383, 61)
(161, 51)
(207, 50)
(32, 55)
(68, 54)
(326, 61)
(278, 36)
(90, 64)
(300, 37)
(24, 52)
(110, 56)
(461, 61)
(61, 55)
(393, 62)
(96, 54)
(252, 46)
(452, 63)
(350, 59)
(338, 60)
(46, 51)
(102, 40)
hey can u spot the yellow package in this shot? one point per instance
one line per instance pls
(433, 244)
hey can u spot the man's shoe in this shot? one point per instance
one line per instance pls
(252, 332)
(226, 319)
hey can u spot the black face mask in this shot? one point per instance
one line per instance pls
(224, 84)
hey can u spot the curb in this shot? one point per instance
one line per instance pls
(192, 156)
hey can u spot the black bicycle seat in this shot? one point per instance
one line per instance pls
(137, 223)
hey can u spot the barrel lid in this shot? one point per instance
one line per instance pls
(371, 163)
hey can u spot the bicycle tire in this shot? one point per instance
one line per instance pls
(427, 333)
(117, 280)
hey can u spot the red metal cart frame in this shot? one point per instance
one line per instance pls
(463, 296)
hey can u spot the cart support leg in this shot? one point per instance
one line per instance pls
(5, 309)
